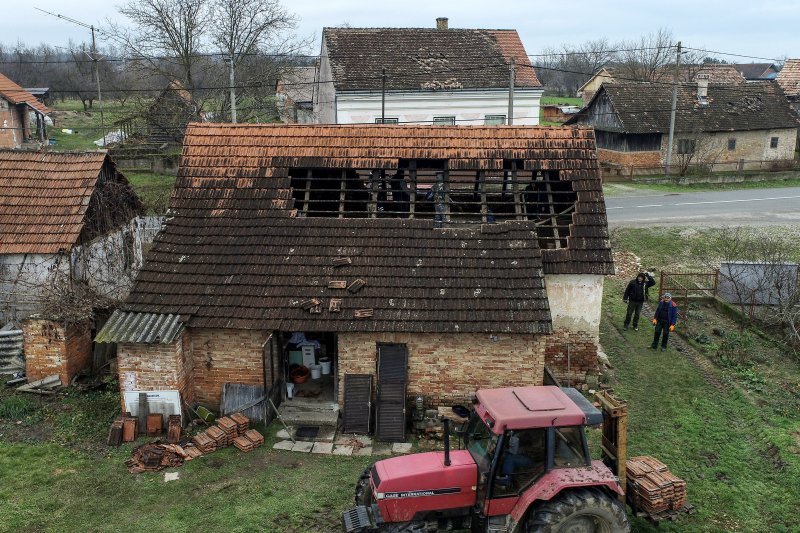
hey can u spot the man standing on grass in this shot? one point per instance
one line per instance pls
(634, 296)
(664, 320)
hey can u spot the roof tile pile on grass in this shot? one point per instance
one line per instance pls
(234, 255)
(426, 59)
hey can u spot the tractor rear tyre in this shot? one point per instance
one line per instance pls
(579, 511)
(363, 492)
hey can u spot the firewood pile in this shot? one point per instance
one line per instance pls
(155, 456)
(653, 487)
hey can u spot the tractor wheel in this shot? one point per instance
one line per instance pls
(579, 511)
(363, 493)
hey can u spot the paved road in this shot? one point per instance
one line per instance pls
(745, 207)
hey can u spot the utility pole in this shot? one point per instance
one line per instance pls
(97, 79)
(673, 110)
(233, 91)
(383, 97)
(511, 90)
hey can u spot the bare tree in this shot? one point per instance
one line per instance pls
(563, 70)
(167, 35)
(696, 153)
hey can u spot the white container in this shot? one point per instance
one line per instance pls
(316, 371)
(325, 363)
(290, 390)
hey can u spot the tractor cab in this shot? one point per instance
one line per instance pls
(523, 447)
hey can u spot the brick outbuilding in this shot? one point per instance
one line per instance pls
(478, 252)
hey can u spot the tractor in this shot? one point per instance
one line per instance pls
(525, 466)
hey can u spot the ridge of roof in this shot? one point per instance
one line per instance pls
(17, 95)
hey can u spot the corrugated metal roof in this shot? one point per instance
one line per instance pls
(144, 328)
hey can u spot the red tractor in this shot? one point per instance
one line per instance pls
(525, 466)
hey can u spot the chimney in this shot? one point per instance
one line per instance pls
(702, 88)
(441, 23)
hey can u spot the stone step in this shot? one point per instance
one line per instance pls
(311, 405)
(302, 416)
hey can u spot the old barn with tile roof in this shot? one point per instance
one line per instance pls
(716, 124)
(436, 75)
(59, 214)
(19, 109)
(478, 252)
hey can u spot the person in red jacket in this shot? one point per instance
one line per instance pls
(664, 320)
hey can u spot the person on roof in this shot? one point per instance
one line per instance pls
(664, 320)
(635, 295)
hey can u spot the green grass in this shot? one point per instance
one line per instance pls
(85, 124)
(153, 189)
(611, 190)
(563, 100)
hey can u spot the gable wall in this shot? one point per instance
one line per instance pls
(12, 123)
(468, 107)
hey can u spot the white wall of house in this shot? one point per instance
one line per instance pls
(575, 301)
(422, 107)
(108, 264)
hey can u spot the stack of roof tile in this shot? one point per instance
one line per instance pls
(219, 437)
(255, 437)
(242, 423)
(204, 443)
(230, 428)
(654, 488)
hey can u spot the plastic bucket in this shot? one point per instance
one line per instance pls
(290, 390)
(325, 363)
(316, 371)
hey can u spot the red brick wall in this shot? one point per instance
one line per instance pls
(572, 357)
(156, 367)
(226, 356)
(448, 368)
(54, 348)
(636, 159)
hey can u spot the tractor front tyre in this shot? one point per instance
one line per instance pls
(363, 491)
(579, 511)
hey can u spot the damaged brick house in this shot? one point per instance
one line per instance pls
(67, 240)
(22, 116)
(477, 253)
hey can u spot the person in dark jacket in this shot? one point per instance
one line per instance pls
(664, 320)
(635, 295)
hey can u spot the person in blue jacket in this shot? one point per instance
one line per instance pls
(664, 320)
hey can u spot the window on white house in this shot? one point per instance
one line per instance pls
(494, 120)
(731, 144)
(686, 146)
(773, 142)
(444, 121)
(386, 121)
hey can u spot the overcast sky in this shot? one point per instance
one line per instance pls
(766, 28)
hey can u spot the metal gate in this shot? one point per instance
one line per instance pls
(357, 403)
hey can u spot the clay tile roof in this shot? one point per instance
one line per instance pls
(298, 83)
(789, 78)
(17, 95)
(44, 197)
(233, 255)
(426, 58)
(645, 108)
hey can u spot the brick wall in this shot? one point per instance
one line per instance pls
(448, 368)
(225, 356)
(156, 367)
(55, 348)
(637, 159)
(11, 121)
(572, 357)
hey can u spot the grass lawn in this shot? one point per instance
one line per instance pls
(153, 189)
(84, 124)
(561, 100)
(613, 189)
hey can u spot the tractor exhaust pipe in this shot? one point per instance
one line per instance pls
(446, 442)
